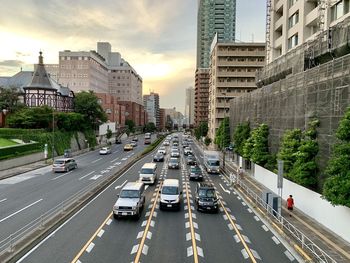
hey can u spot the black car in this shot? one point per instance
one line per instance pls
(158, 157)
(118, 141)
(174, 163)
(191, 160)
(196, 173)
(206, 199)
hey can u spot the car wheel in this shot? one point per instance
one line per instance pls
(115, 216)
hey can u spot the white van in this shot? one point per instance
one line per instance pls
(170, 194)
(148, 173)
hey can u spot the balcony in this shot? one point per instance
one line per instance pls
(236, 74)
(238, 53)
(311, 18)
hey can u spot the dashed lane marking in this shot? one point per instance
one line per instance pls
(100, 234)
(90, 247)
(275, 239)
(289, 255)
(58, 177)
(86, 175)
(96, 160)
(265, 228)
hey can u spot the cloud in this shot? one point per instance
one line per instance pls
(11, 63)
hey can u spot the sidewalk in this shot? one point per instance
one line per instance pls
(22, 169)
(336, 247)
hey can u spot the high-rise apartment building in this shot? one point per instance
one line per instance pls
(189, 106)
(214, 16)
(151, 104)
(232, 73)
(201, 96)
(293, 22)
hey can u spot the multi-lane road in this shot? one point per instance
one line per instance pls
(235, 234)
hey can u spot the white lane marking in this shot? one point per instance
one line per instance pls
(3, 200)
(24, 208)
(96, 160)
(230, 226)
(244, 204)
(124, 159)
(244, 253)
(265, 228)
(237, 238)
(152, 223)
(146, 187)
(134, 249)
(187, 224)
(139, 235)
(121, 186)
(246, 239)
(289, 255)
(86, 175)
(275, 239)
(255, 254)
(144, 223)
(256, 218)
(114, 159)
(250, 210)
(100, 233)
(149, 235)
(197, 236)
(90, 247)
(117, 163)
(109, 222)
(95, 177)
(195, 225)
(200, 252)
(145, 249)
(189, 251)
(58, 177)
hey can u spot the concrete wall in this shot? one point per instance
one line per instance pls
(335, 218)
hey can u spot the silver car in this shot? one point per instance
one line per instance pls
(64, 165)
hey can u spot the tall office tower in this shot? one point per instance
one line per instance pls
(214, 16)
(189, 106)
(151, 104)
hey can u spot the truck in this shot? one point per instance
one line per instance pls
(212, 161)
(147, 138)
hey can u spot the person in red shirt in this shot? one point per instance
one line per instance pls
(290, 203)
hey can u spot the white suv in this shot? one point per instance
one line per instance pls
(130, 200)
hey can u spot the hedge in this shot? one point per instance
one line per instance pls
(18, 150)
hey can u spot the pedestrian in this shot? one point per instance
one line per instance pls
(290, 203)
(240, 173)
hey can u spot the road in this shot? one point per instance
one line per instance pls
(235, 234)
(26, 197)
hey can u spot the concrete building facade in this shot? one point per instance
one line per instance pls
(232, 73)
(292, 23)
(189, 106)
(114, 111)
(162, 119)
(201, 96)
(151, 104)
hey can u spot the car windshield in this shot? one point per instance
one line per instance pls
(59, 162)
(147, 171)
(173, 161)
(129, 194)
(170, 190)
(195, 169)
(104, 149)
(206, 193)
(214, 163)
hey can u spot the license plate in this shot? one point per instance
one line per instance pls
(208, 208)
(124, 214)
(168, 205)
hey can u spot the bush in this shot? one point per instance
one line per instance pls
(18, 150)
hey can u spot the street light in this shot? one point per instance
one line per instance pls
(224, 133)
(53, 135)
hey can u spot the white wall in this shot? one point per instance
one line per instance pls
(103, 128)
(335, 218)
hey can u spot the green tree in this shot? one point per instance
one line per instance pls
(86, 103)
(304, 171)
(336, 188)
(109, 134)
(240, 136)
(70, 121)
(201, 130)
(149, 127)
(256, 147)
(9, 99)
(31, 118)
(207, 141)
(222, 138)
(291, 142)
(130, 126)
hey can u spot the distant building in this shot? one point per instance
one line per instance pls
(232, 74)
(114, 111)
(189, 106)
(201, 96)
(151, 104)
(162, 119)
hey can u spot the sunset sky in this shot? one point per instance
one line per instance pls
(157, 37)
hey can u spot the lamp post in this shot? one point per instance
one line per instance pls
(224, 133)
(53, 135)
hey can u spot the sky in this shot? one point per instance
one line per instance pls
(157, 37)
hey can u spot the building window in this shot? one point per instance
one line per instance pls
(339, 9)
(294, 19)
(293, 41)
(292, 2)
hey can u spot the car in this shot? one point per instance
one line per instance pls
(64, 165)
(170, 195)
(162, 150)
(206, 198)
(185, 144)
(133, 143)
(158, 157)
(148, 173)
(187, 151)
(118, 141)
(128, 147)
(166, 143)
(135, 139)
(191, 160)
(105, 150)
(147, 141)
(196, 173)
(175, 143)
(174, 163)
(175, 153)
(131, 200)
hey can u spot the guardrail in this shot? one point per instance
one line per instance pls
(306, 243)
(36, 229)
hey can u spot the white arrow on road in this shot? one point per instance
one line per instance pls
(226, 191)
(120, 186)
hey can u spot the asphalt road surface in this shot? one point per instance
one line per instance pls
(234, 234)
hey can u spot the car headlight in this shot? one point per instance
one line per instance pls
(116, 207)
(176, 201)
(133, 207)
